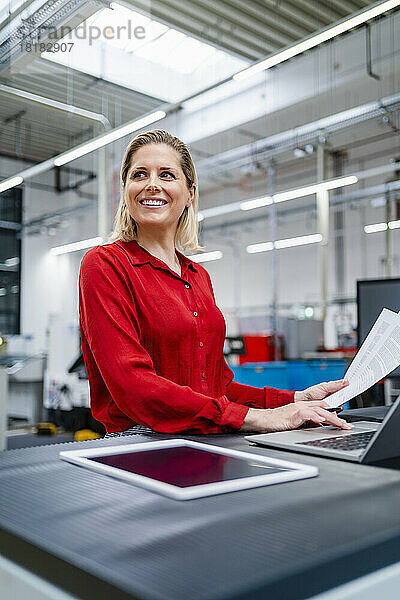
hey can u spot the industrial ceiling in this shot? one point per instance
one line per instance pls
(252, 30)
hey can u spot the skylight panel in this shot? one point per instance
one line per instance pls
(177, 51)
(156, 62)
(116, 25)
(153, 31)
(161, 48)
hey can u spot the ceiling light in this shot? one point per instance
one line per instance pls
(375, 227)
(302, 240)
(10, 183)
(82, 245)
(314, 188)
(298, 241)
(394, 224)
(309, 312)
(319, 38)
(224, 209)
(81, 150)
(256, 203)
(108, 138)
(299, 152)
(262, 247)
(207, 256)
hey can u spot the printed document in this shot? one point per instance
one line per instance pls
(378, 356)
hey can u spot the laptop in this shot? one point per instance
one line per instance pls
(366, 443)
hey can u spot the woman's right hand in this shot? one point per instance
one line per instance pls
(291, 416)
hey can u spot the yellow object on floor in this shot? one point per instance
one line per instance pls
(86, 434)
(46, 429)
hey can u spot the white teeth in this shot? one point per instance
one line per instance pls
(153, 202)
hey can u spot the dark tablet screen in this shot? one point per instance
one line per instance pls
(184, 466)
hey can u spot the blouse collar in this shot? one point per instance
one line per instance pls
(140, 256)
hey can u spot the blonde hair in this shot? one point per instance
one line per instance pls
(124, 226)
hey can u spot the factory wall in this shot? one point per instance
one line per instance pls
(242, 282)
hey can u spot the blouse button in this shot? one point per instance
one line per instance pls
(187, 286)
(195, 314)
(201, 344)
(203, 375)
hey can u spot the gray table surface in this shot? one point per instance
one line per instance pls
(98, 537)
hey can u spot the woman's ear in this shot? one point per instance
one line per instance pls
(192, 192)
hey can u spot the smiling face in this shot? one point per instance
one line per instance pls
(156, 191)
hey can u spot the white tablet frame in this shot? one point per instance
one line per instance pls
(80, 457)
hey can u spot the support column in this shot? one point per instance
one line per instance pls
(339, 212)
(323, 228)
(389, 250)
(103, 224)
(339, 224)
(237, 282)
(274, 260)
(3, 407)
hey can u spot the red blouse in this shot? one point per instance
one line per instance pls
(152, 344)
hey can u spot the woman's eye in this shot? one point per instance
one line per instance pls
(163, 175)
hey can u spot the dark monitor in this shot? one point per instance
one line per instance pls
(372, 296)
(234, 345)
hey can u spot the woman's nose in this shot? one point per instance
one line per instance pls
(153, 183)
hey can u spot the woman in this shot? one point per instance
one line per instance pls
(152, 335)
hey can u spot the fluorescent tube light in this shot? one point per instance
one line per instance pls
(308, 190)
(262, 247)
(108, 138)
(81, 150)
(302, 240)
(394, 224)
(97, 241)
(298, 241)
(10, 183)
(375, 227)
(223, 209)
(330, 184)
(256, 203)
(207, 256)
(317, 39)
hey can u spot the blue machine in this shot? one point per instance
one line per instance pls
(290, 375)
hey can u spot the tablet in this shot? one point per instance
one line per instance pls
(183, 469)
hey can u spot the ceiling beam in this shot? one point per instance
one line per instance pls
(322, 11)
(202, 25)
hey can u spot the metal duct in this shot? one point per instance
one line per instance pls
(81, 112)
(280, 142)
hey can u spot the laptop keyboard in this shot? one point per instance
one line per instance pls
(351, 441)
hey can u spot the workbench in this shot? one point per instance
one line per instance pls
(89, 536)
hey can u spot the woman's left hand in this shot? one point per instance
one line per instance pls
(320, 391)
